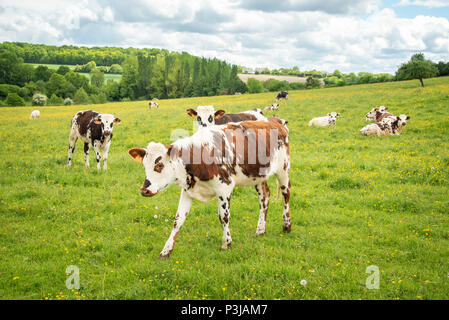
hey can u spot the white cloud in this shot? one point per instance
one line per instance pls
(374, 39)
(425, 3)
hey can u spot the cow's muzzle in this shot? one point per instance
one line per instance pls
(146, 192)
(107, 133)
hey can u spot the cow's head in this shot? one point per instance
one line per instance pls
(157, 161)
(205, 115)
(374, 111)
(402, 120)
(333, 117)
(107, 122)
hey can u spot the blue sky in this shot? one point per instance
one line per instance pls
(348, 35)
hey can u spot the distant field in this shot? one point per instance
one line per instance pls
(115, 77)
(264, 77)
(355, 202)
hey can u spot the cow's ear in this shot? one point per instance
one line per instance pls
(137, 154)
(329, 114)
(408, 118)
(117, 121)
(191, 113)
(172, 152)
(219, 114)
(338, 114)
(97, 120)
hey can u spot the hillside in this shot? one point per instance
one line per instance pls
(355, 202)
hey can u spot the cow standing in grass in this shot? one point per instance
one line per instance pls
(282, 95)
(207, 116)
(215, 160)
(35, 114)
(153, 105)
(92, 128)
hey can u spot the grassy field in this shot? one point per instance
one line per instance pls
(356, 201)
(107, 76)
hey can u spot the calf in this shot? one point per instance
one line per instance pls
(375, 129)
(35, 114)
(212, 162)
(386, 126)
(92, 128)
(282, 95)
(207, 116)
(273, 107)
(153, 104)
(397, 123)
(329, 120)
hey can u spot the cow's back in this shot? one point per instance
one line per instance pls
(83, 120)
(235, 117)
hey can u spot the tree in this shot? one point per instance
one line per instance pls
(62, 70)
(13, 99)
(56, 85)
(312, 83)
(97, 78)
(417, 68)
(39, 99)
(55, 100)
(254, 86)
(81, 96)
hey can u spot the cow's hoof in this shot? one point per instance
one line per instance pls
(163, 256)
(260, 232)
(287, 228)
(226, 246)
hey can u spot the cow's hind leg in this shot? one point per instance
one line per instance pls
(185, 203)
(97, 153)
(72, 144)
(224, 213)
(264, 199)
(86, 153)
(284, 185)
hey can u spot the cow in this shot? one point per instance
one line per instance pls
(398, 122)
(375, 129)
(386, 126)
(153, 104)
(35, 114)
(212, 162)
(92, 128)
(329, 120)
(377, 114)
(207, 116)
(273, 107)
(282, 95)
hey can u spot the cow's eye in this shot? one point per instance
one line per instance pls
(158, 167)
(210, 119)
(199, 119)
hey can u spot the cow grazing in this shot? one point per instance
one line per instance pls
(282, 95)
(153, 104)
(35, 114)
(212, 162)
(273, 107)
(377, 114)
(329, 120)
(207, 116)
(92, 128)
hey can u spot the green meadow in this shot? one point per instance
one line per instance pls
(107, 76)
(356, 201)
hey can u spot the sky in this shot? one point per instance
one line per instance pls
(347, 35)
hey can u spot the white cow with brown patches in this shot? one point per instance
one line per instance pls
(153, 105)
(212, 162)
(93, 129)
(207, 116)
(35, 114)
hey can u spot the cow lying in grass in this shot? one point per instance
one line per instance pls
(377, 114)
(329, 120)
(92, 128)
(273, 107)
(207, 116)
(386, 126)
(212, 162)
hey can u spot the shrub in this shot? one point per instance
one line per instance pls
(68, 102)
(13, 99)
(39, 99)
(55, 100)
(8, 88)
(254, 86)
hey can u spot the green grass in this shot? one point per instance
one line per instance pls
(107, 76)
(355, 201)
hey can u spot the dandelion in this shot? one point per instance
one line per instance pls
(303, 282)
(155, 216)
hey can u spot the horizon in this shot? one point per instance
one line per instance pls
(350, 36)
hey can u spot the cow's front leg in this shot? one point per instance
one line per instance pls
(86, 153)
(185, 202)
(224, 213)
(284, 184)
(105, 156)
(264, 199)
(97, 153)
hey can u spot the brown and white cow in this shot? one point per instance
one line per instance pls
(212, 162)
(92, 128)
(207, 116)
(153, 104)
(377, 114)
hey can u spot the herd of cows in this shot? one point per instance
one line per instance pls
(228, 150)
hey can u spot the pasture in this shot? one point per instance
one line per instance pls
(107, 76)
(355, 201)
